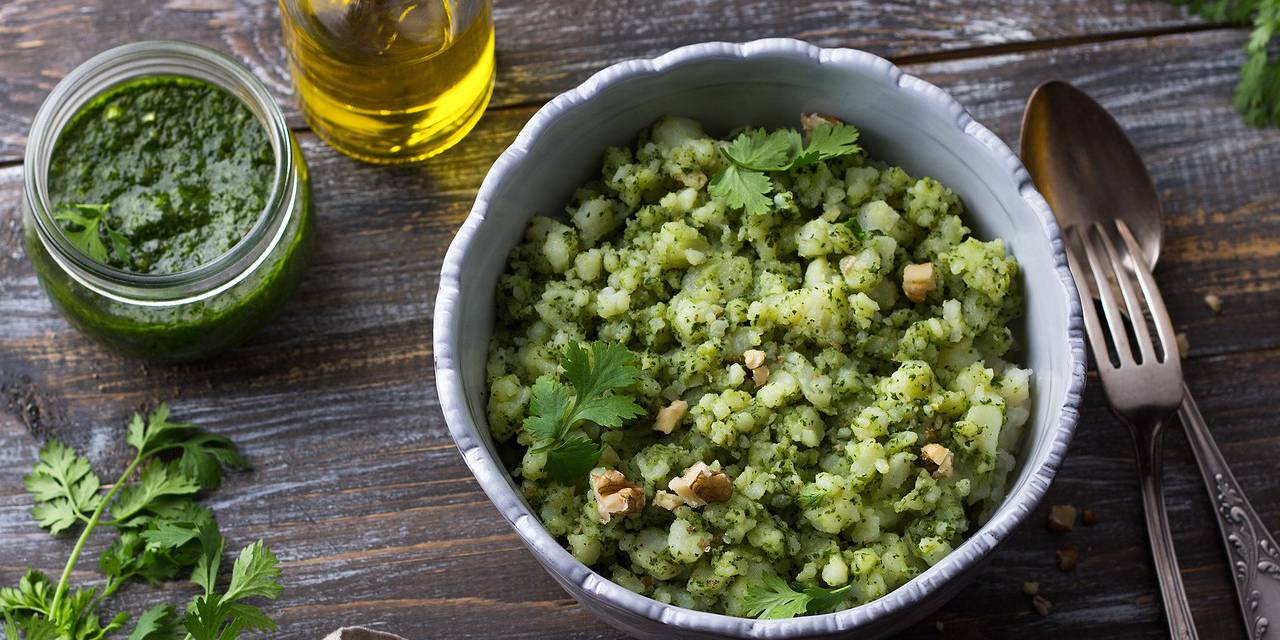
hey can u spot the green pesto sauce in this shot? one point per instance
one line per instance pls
(183, 167)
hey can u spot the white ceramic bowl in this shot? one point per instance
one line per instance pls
(905, 121)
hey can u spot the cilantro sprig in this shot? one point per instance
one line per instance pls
(557, 411)
(161, 532)
(744, 183)
(1257, 94)
(87, 224)
(773, 598)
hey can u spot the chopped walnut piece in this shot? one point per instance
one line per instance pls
(938, 459)
(1068, 558)
(615, 495)
(1041, 605)
(700, 485)
(669, 416)
(811, 121)
(753, 358)
(917, 281)
(1184, 345)
(1089, 517)
(668, 501)
(1062, 517)
(1030, 588)
(1214, 303)
(760, 375)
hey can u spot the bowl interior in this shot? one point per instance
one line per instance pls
(903, 121)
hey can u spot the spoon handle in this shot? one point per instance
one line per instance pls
(1252, 552)
(1177, 610)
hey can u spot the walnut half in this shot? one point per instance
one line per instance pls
(700, 485)
(917, 281)
(615, 495)
(939, 459)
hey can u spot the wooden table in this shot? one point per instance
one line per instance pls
(355, 482)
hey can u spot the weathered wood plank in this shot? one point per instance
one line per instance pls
(357, 486)
(543, 47)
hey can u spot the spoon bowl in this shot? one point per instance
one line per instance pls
(1086, 167)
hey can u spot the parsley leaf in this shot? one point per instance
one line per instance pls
(773, 598)
(1257, 95)
(157, 482)
(64, 487)
(157, 623)
(762, 151)
(204, 454)
(212, 616)
(744, 189)
(744, 185)
(827, 141)
(92, 222)
(554, 413)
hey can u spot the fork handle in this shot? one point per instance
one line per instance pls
(1177, 610)
(1252, 553)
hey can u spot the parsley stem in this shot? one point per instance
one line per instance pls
(88, 528)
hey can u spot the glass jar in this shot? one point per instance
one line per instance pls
(390, 81)
(188, 314)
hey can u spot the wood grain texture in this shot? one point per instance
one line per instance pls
(543, 47)
(359, 489)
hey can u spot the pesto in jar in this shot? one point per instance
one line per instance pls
(173, 172)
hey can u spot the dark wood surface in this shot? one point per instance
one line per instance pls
(355, 482)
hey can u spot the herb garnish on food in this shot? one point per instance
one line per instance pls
(92, 222)
(161, 531)
(556, 411)
(744, 185)
(773, 598)
(1258, 92)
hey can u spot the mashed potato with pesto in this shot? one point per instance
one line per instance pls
(826, 388)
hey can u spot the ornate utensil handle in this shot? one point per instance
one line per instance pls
(1252, 553)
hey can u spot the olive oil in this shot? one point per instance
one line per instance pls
(390, 81)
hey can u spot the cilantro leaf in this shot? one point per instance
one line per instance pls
(773, 598)
(548, 408)
(762, 151)
(158, 481)
(572, 458)
(211, 616)
(64, 487)
(91, 220)
(827, 141)
(206, 572)
(157, 623)
(33, 595)
(204, 454)
(744, 189)
(1257, 94)
(596, 374)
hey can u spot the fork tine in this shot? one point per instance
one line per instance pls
(1159, 314)
(1097, 337)
(1137, 315)
(1110, 308)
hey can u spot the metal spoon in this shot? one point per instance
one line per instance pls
(1084, 164)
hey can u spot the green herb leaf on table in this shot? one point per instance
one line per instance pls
(773, 598)
(744, 184)
(554, 412)
(161, 532)
(64, 488)
(1257, 94)
(92, 222)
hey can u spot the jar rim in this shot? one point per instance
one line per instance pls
(124, 64)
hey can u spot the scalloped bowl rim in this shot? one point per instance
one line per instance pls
(491, 475)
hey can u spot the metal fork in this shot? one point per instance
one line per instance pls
(1142, 378)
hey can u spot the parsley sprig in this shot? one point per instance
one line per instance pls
(773, 598)
(161, 531)
(557, 412)
(1257, 94)
(755, 152)
(87, 224)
